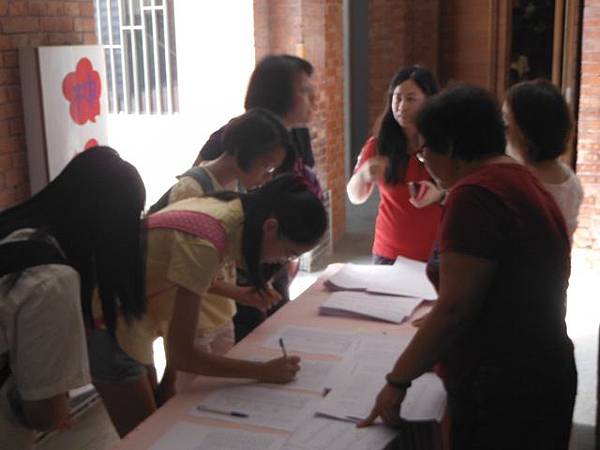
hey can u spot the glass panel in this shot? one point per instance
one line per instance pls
(137, 18)
(115, 23)
(120, 81)
(109, 78)
(139, 51)
(160, 30)
(125, 12)
(103, 22)
(129, 91)
(532, 37)
(150, 61)
(173, 55)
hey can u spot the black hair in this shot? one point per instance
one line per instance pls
(256, 133)
(287, 198)
(543, 117)
(465, 121)
(93, 209)
(271, 84)
(391, 140)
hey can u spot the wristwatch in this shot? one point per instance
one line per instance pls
(404, 385)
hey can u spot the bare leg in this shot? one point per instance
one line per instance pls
(128, 404)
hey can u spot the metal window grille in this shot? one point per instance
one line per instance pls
(138, 37)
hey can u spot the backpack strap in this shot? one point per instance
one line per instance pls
(196, 223)
(20, 255)
(200, 176)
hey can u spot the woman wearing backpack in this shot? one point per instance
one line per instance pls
(188, 243)
(256, 144)
(79, 234)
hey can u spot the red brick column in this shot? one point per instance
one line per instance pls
(313, 30)
(400, 34)
(588, 142)
(29, 24)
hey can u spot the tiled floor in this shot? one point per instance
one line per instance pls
(94, 431)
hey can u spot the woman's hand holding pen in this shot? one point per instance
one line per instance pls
(280, 370)
(264, 301)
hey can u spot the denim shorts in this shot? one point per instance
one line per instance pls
(108, 362)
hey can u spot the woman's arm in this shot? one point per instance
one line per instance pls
(47, 414)
(246, 295)
(464, 281)
(360, 186)
(183, 355)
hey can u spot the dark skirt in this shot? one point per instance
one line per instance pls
(519, 406)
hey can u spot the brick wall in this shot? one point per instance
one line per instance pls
(400, 34)
(27, 24)
(588, 143)
(312, 29)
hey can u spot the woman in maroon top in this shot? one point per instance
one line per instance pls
(504, 262)
(388, 161)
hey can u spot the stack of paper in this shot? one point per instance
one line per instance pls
(405, 278)
(364, 305)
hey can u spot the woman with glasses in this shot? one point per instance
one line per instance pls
(388, 160)
(501, 275)
(188, 243)
(256, 145)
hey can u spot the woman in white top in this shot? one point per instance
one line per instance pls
(79, 234)
(538, 127)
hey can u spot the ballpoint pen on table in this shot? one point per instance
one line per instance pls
(221, 411)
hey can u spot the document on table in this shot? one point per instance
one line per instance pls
(189, 436)
(262, 406)
(378, 349)
(405, 278)
(369, 306)
(318, 433)
(362, 375)
(312, 340)
(313, 375)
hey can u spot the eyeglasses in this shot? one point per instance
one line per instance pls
(420, 155)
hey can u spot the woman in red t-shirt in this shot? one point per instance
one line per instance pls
(389, 162)
(504, 261)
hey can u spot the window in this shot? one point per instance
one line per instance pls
(138, 37)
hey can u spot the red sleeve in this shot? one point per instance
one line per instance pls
(476, 223)
(368, 151)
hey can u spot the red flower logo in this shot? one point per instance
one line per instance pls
(90, 143)
(82, 89)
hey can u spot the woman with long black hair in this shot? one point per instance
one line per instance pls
(388, 161)
(78, 235)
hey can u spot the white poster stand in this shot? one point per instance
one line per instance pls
(65, 106)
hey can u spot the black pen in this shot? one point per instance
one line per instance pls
(282, 347)
(220, 411)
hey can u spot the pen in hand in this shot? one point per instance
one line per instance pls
(285, 355)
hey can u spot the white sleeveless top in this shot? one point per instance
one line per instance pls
(569, 196)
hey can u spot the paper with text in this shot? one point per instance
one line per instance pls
(189, 436)
(265, 407)
(319, 433)
(312, 340)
